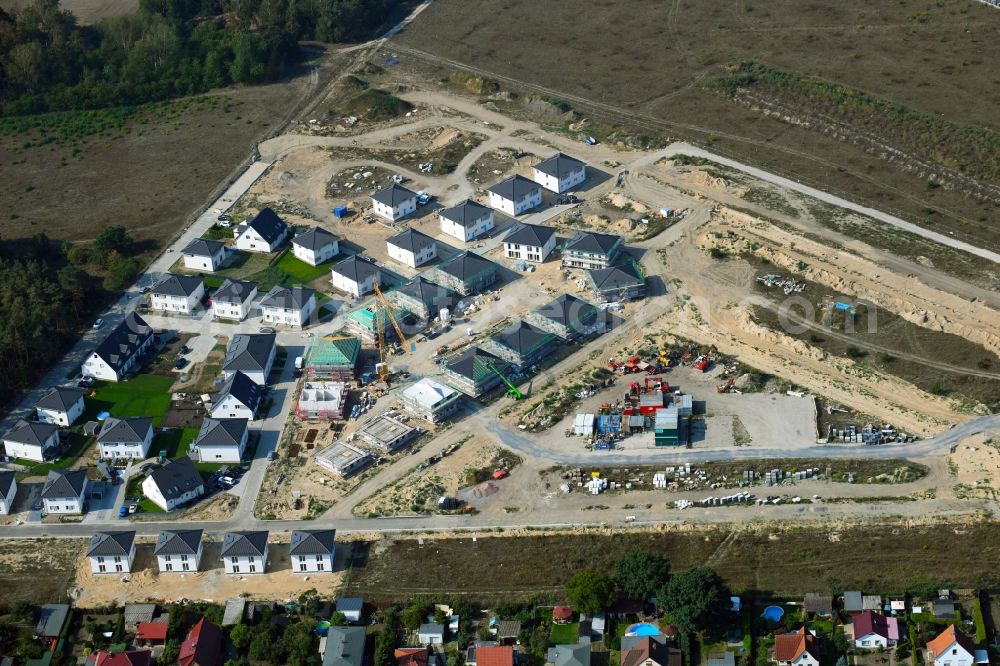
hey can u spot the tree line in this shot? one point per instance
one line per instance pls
(165, 49)
(47, 293)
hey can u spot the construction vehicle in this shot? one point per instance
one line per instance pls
(700, 364)
(383, 309)
(512, 390)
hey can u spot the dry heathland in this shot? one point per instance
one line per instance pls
(671, 61)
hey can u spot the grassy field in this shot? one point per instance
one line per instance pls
(38, 570)
(564, 634)
(143, 395)
(148, 169)
(86, 11)
(661, 63)
(793, 561)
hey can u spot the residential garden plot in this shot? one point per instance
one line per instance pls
(298, 271)
(143, 395)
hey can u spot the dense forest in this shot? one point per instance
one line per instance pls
(48, 292)
(167, 48)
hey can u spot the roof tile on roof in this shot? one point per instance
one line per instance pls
(356, 268)
(242, 388)
(288, 298)
(268, 225)
(467, 266)
(30, 432)
(178, 285)
(203, 247)
(129, 430)
(616, 277)
(559, 165)
(791, 646)
(593, 243)
(59, 398)
(316, 238)
(249, 351)
(178, 477)
(122, 343)
(221, 432)
(178, 542)
(939, 645)
(535, 235)
(203, 645)
(62, 483)
(523, 338)
(472, 364)
(515, 187)
(111, 543)
(252, 543)
(411, 240)
(234, 291)
(393, 195)
(495, 655)
(312, 542)
(466, 213)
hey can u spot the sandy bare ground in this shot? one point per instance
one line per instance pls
(211, 583)
(444, 478)
(975, 466)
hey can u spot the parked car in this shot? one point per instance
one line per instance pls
(266, 329)
(272, 455)
(184, 350)
(223, 217)
(98, 323)
(85, 382)
(180, 363)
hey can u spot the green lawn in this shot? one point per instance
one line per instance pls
(147, 506)
(143, 395)
(78, 443)
(212, 282)
(176, 442)
(299, 271)
(564, 634)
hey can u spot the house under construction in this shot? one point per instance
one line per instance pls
(322, 400)
(333, 357)
(364, 323)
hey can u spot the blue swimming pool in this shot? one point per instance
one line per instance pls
(643, 629)
(773, 613)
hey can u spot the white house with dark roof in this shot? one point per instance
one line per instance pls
(60, 406)
(111, 552)
(394, 202)
(244, 552)
(345, 646)
(252, 354)
(177, 293)
(239, 398)
(560, 173)
(315, 246)
(515, 195)
(221, 440)
(467, 221)
(264, 232)
(312, 551)
(8, 491)
(529, 242)
(178, 551)
(233, 299)
(65, 491)
(174, 485)
(121, 351)
(355, 275)
(474, 371)
(31, 440)
(411, 247)
(289, 306)
(205, 255)
(128, 438)
(590, 251)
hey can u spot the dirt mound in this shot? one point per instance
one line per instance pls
(443, 138)
(487, 489)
